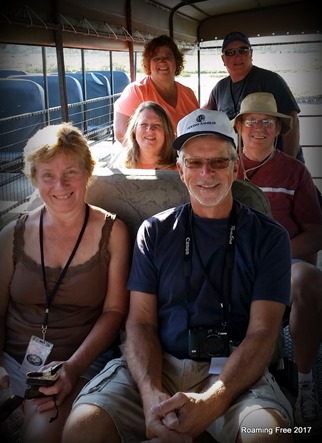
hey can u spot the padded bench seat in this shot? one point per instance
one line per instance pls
(135, 194)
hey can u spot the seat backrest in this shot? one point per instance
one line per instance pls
(74, 95)
(118, 81)
(98, 113)
(136, 194)
(18, 97)
(8, 72)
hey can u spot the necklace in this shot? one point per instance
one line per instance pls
(255, 168)
(236, 90)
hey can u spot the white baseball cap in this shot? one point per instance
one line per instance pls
(202, 122)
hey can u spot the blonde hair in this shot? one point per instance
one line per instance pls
(55, 139)
(167, 157)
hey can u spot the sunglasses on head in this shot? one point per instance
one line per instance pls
(233, 51)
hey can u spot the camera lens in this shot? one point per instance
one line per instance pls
(214, 345)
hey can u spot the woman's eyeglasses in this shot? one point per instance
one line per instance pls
(166, 58)
(266, 122)
(214, 162)
(241, 51)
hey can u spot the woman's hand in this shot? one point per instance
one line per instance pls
(59, 390)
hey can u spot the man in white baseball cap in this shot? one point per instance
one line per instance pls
(201, 122)
(204, 316)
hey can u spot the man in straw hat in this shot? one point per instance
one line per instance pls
(204, 314)
(290, 189)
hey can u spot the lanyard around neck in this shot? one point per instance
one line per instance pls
(236, 98)
(50, 296)
(228, 262)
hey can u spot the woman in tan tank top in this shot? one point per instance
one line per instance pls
(63, 269)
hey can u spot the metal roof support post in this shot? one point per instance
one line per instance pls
(173, 11)
(44, 73)
(199, 73)
(84, 89)
(128, 14)
(112, 92)
(61, 73)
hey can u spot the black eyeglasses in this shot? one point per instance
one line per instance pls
(214, 162)
(233, 51)
(166, 58)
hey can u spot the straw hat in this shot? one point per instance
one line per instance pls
(263, 103)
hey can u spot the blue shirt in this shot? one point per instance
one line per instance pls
(261, 271)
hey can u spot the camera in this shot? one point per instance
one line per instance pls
(45, 378)
(205, 343)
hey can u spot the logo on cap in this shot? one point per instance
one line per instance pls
(200, 118)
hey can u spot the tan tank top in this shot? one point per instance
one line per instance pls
(75, 308)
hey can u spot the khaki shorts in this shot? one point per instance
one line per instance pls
(114, 391)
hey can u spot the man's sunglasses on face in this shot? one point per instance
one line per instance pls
(233, 51)
(214, 162)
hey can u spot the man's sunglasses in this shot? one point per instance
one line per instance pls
(213, 162)
(233, 51)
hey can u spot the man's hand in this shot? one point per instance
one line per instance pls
(184, 413)
(157, 428)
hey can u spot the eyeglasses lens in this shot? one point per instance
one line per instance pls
(199, 163)
(266, 123)
(241, 51)
(167, 58)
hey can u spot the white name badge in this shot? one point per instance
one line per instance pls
(216, 365)
(36, 354)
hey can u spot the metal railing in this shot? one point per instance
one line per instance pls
(94, 117)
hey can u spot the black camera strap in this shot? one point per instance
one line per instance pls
(190, 243)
